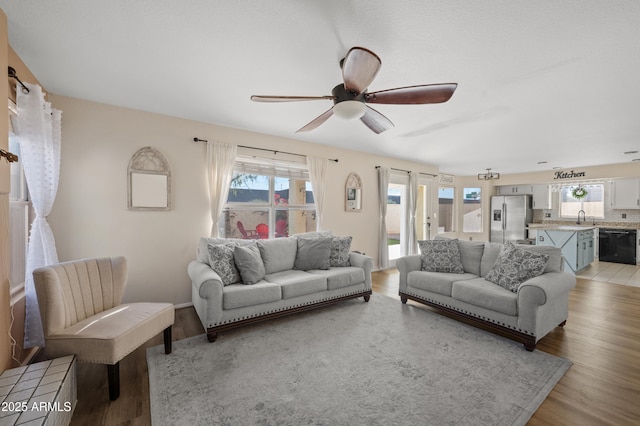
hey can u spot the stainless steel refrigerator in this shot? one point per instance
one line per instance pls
(510, 215)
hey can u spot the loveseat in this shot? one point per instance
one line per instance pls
(237, 282)
(520, 291)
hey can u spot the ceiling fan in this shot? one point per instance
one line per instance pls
(359, 68)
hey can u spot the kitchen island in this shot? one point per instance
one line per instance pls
(576, 243)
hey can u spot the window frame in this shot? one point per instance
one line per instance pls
(581, 201)
(272, 170)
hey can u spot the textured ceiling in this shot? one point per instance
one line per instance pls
(553, 81)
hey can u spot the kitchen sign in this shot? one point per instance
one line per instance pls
(569, 175)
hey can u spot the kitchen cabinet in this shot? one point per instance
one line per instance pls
(577, 246)
(515, 189)
(625, 194)
(541, 197)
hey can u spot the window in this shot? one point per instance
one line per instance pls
(396, 206)
(472, 210)
(268, 199)
(446, 198)
(592, 204)
(19, 213)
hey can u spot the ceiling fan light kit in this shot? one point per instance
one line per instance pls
(349, 109)
(359, 67)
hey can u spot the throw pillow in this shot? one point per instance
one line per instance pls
(313, 253)
(221, 261)
(340, 248)
(278, 254)
(441, 256)
(515, 266)
(249, 263)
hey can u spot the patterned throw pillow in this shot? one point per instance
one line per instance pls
(441, 256)
(340, 248)
(221, 261)
(515, 266)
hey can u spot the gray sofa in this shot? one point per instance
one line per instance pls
(288, 275)
(526, 313)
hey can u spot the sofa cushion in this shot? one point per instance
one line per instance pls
(440, 256)
(297, 283)
(249, 263)
(313, 253)
(485, 294)
(470, 254)
(278, 254)
(202, 254)
(221, 261)
(515, 266)
(436, 282)
(341, 277)
(555, 263)
(239, 295)
(489, 257)
(340, 248)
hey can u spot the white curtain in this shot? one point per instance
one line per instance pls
(38, 127)
(317, 173)
(411, 242)
(383, 189)
(221, 158)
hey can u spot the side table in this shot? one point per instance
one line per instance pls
(44, 393)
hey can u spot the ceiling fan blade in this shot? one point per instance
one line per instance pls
(375, 120)
(316, 121)
(424, 94)
(260, 98)
(359, 68)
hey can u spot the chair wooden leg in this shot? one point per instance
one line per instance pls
(113, 376)
(167, 340)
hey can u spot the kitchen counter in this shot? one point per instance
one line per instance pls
(585, 226)
(568, 228)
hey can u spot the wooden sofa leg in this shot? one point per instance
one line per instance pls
(562, 323)
(113, 377)
(367, 297)
(167, 340)
(403, 298)
(212, 336)
(530, 345)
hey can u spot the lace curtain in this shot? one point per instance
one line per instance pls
(317, 173)
(383, 189)
(221, 158)
(39, 131)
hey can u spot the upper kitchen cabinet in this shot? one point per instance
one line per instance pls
(541, 197)
(515, 189)
(625, 194)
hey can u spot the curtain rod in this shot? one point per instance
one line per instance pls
(409, 171)
(275, 151)
(12, 74)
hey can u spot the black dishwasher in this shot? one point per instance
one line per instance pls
(617, 245)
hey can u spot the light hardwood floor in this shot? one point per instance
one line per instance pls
(601, 338)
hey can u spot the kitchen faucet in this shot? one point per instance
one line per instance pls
(584, 218)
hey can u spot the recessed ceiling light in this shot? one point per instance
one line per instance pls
(630, 152)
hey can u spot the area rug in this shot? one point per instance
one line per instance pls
(353, 363)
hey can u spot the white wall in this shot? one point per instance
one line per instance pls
(90, 217)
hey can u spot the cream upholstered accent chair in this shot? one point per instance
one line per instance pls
(82, 314)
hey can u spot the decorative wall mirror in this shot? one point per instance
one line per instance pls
(353, 193)
(149, 179)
